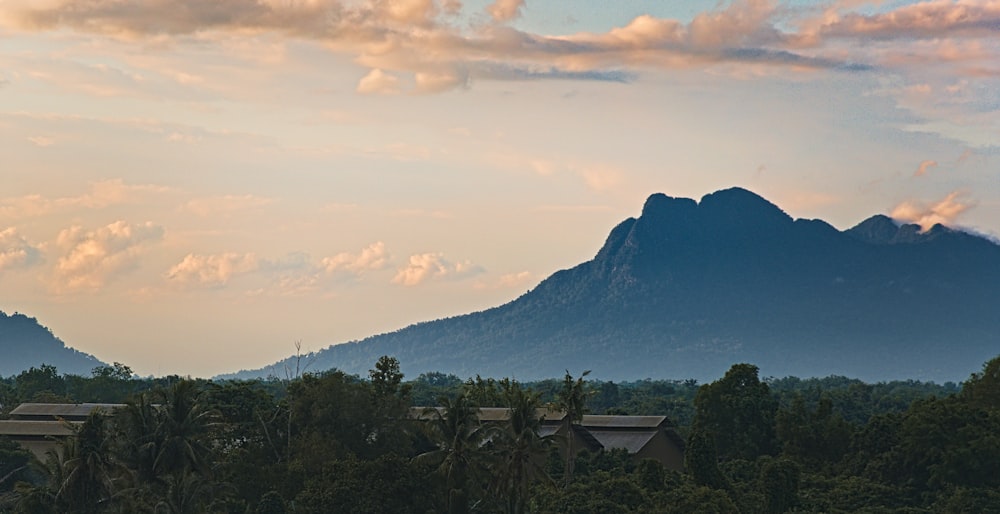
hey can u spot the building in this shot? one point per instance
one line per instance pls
(39, 427)
(643, 437)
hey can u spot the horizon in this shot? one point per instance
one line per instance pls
(190, 191)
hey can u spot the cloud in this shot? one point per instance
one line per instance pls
(16, 252)
(90, 259)
(505, 10)
(101, 195)
(212, 270)
(433, 266)
(225, 205)
(926, 215)
(41, 141)
(378, 82)
(924, 167)
(507, 281)
(372, 257)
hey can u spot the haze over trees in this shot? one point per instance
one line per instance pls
(330, 441)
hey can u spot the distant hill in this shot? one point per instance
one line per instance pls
(689, 288)
(25, 343)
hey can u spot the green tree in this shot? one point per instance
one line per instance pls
(572, 399)
(521, 451)
(459, 458)
(738, 412)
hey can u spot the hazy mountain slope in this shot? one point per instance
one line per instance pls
(689, 288)
(25, 343)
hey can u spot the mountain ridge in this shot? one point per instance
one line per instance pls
(25, 343)
(688, 288)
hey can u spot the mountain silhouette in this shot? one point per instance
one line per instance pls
(24, 343)
(689, 288)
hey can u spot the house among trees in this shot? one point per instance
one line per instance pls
(39, 427)
(643, 437)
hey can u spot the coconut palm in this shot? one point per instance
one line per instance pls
(572, 399)
(520, 449)
(460, 458)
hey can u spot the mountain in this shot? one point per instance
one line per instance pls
(25, 343)
(689, 288)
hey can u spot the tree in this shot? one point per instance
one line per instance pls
(572, 399)
(520, 449)
(459, 458)
(738, 412)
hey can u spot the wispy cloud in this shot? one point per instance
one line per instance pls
(433, 266)
(90, 259)
(100, 195)
(924, 167)
(225, 205)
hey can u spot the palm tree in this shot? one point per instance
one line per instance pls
(460, 457)
(521, 450)
(572, 399)
(88, 467)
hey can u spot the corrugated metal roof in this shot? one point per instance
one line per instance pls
(14, 428)
(492, 414)
(61, 410)
(623, 421)
(631, 441)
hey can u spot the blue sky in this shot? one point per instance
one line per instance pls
(192, 186)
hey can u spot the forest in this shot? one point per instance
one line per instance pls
(334, 442)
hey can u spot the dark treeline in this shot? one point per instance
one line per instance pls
(332, 442)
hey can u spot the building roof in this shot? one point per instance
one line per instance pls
(649, 422)
(492, 414)
(629, 440)
(19, 428)
(61, 410)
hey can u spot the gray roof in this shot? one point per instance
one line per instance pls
(15, 428)
(61, 410)
(493, 414)
(648, 422)
(630, 440)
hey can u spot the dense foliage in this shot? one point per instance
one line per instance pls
(333, 442)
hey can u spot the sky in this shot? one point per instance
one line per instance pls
(193, 186)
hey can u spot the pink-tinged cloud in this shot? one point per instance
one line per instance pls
(16, 252)
(433, 266)
(90, 259)
(212, 270)
(924, 20)
(373, 257)
(505, 10)
(101, 195)
(924, 167)
(945, 211)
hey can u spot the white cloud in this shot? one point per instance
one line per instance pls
(41, 141)
(507, 281)
(16, 252)
(212, 270)
(90, 259)
(378, 82)
(372, 257)
(433, 266)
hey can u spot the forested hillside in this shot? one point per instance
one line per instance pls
(333, 442)
(25, 343)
